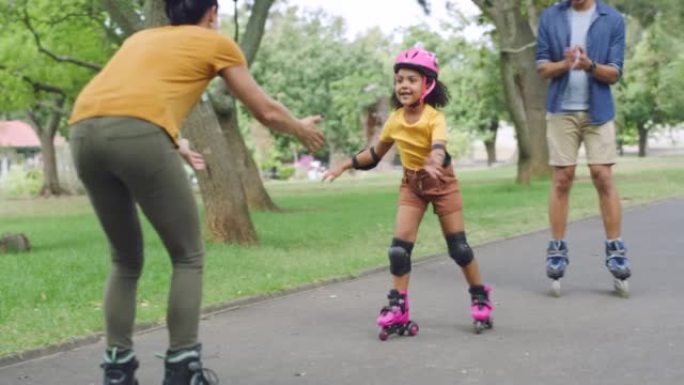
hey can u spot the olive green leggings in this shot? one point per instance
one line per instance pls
(123, 161)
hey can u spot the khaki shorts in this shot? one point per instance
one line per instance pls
(566, 131)
(418, 189)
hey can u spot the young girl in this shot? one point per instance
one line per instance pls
(420, 133)
(124, 137)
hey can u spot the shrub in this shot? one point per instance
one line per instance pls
(21, 183)
(286, 172)
(459, 144)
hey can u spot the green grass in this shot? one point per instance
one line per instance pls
(54, 292)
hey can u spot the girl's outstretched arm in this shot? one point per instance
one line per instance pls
(364, 160)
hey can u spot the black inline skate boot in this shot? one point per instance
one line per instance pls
(119, 367)
(184, 367)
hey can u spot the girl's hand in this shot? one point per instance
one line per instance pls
(435, 171)
(332, 174)
(433, 163)
(192, 158)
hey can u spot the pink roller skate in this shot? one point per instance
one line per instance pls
(394, 318)
(481, 308)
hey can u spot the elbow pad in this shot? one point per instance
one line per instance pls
(357, 166)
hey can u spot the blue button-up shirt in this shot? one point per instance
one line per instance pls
(605, 45)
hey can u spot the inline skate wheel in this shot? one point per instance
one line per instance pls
(621, 287)
(556, 288)
(383, 335)
(413, 329)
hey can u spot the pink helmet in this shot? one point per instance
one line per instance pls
(422, 61)
(418, 59)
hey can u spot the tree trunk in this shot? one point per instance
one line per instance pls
(490, 142)
(51, 185)
(124, 15)
(155, 13)
(240, 158)
(643, 139)
(255, 28)
(524, 88)
(532, 15)
(226, 108)
(226, 212)
(46, 134)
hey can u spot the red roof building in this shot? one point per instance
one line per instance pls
(17, 134)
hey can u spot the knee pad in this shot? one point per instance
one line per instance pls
(459, 250)
(400, 257)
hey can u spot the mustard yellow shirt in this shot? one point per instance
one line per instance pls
(158, 75)
(414, 141)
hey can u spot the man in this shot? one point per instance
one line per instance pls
(580, 49)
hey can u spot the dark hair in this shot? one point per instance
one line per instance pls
(181, 12)
(438, 97)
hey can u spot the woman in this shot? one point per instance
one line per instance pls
(124, 138)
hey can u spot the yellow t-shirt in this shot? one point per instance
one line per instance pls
(158, 75)
(414, 141)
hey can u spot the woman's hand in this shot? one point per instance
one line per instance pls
(192, 158)
(310, 136)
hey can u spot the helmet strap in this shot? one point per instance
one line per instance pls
(428, 90)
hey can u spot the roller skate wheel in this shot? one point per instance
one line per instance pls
(479, 327)
(383, 335)
(413, 329)
(556, 288)
(621, 287)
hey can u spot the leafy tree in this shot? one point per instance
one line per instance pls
(670, 12)
(671, 97)
(48, 50)
(309, 65)
(650, 91)
(366, 82)
(478, 96)
(525, 90)
(92, 39)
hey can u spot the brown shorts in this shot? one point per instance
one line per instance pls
(418, 189)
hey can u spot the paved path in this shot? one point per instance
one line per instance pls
(327, 335)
